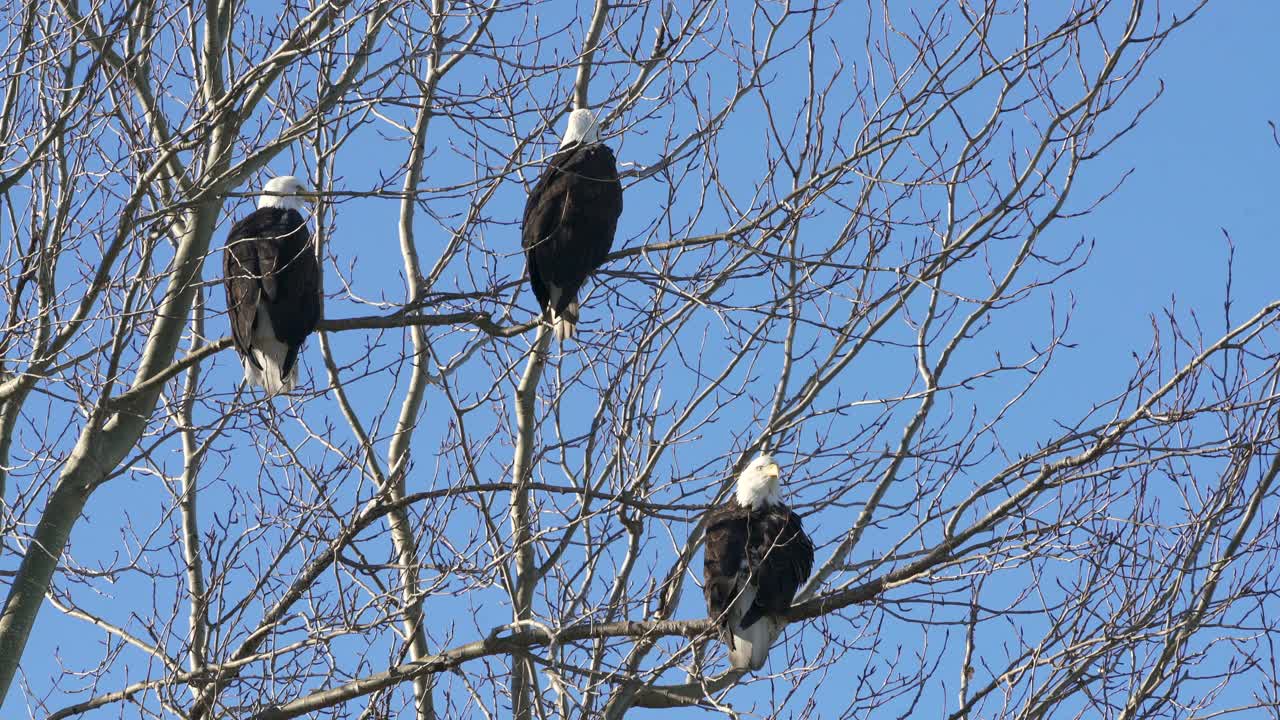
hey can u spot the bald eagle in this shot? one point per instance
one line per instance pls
(272, 278)
(756, 556)
(570, 219)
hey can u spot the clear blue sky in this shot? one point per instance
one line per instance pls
(1203, 161)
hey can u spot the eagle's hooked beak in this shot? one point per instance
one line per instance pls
(309, 197)
(772, 470)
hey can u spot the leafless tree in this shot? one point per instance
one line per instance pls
(840, 243)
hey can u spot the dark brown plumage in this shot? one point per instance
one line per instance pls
(272, 279)
(569, 222)
(754, 562)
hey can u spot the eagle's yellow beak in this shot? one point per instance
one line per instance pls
(772, 470)
(309, 197)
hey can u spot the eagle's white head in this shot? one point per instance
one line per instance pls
(582, 128)
(758, 483)
(285, 192)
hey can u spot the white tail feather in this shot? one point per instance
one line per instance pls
(751, 645)
(270, 354)
(565, 324)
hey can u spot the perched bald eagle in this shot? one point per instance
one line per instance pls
(569, 220)
(756, 556)
(272, 279)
